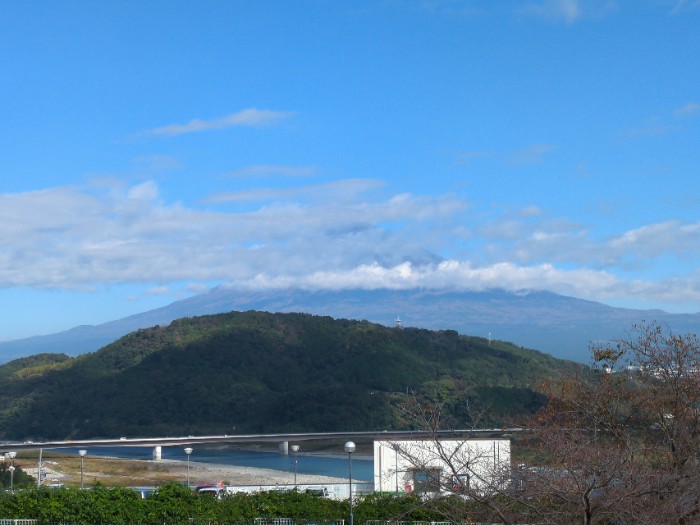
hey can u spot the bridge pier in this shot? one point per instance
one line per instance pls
(157, 453)
(284, 448)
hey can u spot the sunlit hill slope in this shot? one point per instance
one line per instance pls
(261, 372)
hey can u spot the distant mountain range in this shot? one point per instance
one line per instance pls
(558, 325)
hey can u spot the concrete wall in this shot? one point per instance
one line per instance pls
(440, 466)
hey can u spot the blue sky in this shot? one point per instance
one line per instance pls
(152, 150)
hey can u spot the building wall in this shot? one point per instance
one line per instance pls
(440, 466)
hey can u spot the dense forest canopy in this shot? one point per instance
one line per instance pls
(260, 372)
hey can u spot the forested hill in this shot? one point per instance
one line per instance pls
(258, 372)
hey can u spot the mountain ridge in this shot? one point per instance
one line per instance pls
(559, 325)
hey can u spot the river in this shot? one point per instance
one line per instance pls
(318, 464)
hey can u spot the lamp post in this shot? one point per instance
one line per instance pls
(82, 453)
(295, 449)
(350, 448)
(39, 469)
(188, 451)
(11, 468)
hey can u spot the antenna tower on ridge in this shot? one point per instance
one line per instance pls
(398, 322)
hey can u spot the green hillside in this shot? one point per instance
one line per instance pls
(259, 372)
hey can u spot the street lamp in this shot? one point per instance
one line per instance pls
(82, 458)
(295, 449)
(11, 468)
(350, 448)
(188, 451)
(40, 469)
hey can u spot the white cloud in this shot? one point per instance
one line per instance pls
(247, 117)
(529, 239)
(143, 192)
(76, 237)
(462, 275)
(335, 190)
(339, 234)
(657, 239)
(160, 290)
(468, 157)
(685, 5)
(568, 11)
(691, 109)
(155, 163)
(196, 288)
(531, 211)
(654, 128)
(274, 169)
(533, 154)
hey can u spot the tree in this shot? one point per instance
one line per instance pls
(461, 479)
(622, 443)
(616, 443)
(19, 478)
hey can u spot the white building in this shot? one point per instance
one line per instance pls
(441, 466)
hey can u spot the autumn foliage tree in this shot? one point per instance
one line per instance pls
(617, 443)
(622, 444)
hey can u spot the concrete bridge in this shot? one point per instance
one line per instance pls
(282, 439)
(10, 449)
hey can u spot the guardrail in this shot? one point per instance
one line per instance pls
(390, 522)
(289, 521)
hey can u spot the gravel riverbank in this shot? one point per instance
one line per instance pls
(235, 475)
(137, 472)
